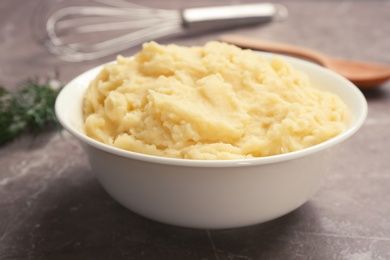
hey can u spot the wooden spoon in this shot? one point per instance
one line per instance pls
(363, 74)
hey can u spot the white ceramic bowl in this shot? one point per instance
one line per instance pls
(212, 194)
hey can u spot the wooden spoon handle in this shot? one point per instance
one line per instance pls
(257, 44)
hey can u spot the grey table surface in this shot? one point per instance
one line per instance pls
(52, 206)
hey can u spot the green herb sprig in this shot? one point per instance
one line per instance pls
(27, 109)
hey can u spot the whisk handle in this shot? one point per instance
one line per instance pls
(218, 17)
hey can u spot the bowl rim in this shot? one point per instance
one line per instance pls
(355, 126)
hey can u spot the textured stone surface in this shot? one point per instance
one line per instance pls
(52, 207)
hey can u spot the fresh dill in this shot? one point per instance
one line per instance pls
(27, 109)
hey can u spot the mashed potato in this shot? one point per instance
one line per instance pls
(211, 102)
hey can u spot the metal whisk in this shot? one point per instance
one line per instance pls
(79, 33)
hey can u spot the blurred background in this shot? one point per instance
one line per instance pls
(349, 29)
